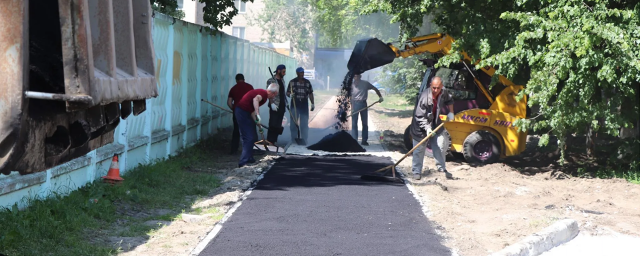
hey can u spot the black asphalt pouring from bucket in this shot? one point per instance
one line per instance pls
(343, 99)
(338, 142)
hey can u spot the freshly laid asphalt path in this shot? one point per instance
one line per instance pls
(320, 206)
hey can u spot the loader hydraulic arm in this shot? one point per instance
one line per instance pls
(438, 44)
(434, 44)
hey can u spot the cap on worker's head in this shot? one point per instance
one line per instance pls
(280, 67)
(300, 70)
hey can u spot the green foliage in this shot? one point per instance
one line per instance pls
(168, 7)
(578, 59)
(341, 22)
(287, 20)
(76, 224)
(217, 13)
(403, 75)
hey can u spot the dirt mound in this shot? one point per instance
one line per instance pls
(338, 142)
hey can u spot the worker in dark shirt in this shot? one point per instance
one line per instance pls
(248, 115)
(235, 95)
(277, 105)
(426, 117)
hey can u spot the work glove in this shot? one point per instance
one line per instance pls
(313, 106)
(450, 117)
(274, 107)
(427, 128)
(258, 119)
(381, 99)
(258, 123)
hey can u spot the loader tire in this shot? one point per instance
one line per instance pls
(481, 147)
(408, 139)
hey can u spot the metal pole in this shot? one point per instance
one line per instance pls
(327, 83)
(61, 97)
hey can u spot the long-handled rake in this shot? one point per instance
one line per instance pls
(376, 177)
(260, 142)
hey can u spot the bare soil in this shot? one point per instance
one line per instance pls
(487, 208)
(181, 234)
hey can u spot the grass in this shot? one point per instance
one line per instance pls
(74, 224)
(392, 101)
(632, 176)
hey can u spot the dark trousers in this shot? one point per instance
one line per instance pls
(247, 132)
(275, 124)
(235, 137)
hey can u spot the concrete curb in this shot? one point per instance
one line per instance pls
(559, 233)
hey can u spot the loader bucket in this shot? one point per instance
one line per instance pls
(368, 54)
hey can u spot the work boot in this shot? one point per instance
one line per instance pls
(364, 143)
(417, 176)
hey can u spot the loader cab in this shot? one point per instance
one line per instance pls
(460, 83)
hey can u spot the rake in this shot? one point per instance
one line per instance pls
(376, 177)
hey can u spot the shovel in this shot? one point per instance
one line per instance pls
(261, 142)
(375, 177)
(298, 140)
(224, 109)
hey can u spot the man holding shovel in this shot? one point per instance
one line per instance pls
(247, 113)
(277, 105)
(300, 90)
(426, 117)
(359, 93)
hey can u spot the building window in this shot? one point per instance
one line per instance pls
(180, 2)
(238, 32)
(241, 6)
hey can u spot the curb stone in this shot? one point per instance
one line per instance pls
(559, 233)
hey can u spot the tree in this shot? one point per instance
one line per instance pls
(287, 20)
(578, 59)
(341, 22)
(217, 13)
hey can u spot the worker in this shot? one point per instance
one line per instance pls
(277, 105)
(302, 92)
(248, 115)
(235, 95)
(426, 117)
(359, 93)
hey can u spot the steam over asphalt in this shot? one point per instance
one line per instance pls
(320, 206)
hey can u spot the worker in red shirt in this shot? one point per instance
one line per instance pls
(248, 115)
(235, 95)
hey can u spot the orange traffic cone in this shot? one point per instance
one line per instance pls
(113, 176)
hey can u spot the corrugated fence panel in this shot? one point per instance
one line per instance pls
(192, 63)
(205, 69)
(191, 71)
(216, 46)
